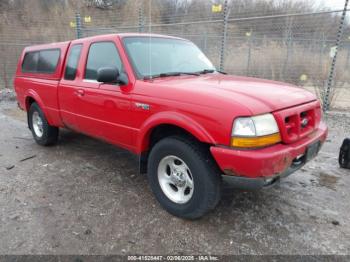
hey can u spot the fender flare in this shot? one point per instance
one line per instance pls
(34, 95)
(171, 118)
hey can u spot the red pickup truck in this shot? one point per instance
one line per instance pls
(193, 127)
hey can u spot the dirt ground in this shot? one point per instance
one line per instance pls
(83, 196)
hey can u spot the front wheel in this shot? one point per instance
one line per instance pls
(43, 133)
(183, 177)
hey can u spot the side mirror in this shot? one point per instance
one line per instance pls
(108, 75)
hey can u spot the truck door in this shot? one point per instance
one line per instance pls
(104, 108)
(68, 89)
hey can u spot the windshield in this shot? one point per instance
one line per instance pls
(154, 56)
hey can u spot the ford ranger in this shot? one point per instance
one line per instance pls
(194, 128)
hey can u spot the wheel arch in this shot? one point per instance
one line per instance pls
(32, 97)
(175, 119)
(168, 124)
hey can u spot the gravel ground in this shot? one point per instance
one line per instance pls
(83, 196)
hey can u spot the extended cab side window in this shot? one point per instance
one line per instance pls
(102, 54)
(72, 62)
(43, 61)
(30, 62)
(48, 60)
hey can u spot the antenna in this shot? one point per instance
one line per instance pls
(150, 38)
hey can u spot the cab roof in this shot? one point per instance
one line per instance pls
(65, 44)
(122, 35)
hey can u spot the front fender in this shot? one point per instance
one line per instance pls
(171, 118)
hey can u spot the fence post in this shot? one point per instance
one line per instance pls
(250, 39)
(205, 40)
(224, 35)
(334, 60)
(348, 55)
(322, 46)
(288, 43)
(140, 19)
(5, 75)
(78, 24)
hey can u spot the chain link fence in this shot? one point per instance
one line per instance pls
(309, 49)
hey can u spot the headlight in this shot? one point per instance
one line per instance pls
(256, 131)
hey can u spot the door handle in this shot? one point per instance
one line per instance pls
(80, 92)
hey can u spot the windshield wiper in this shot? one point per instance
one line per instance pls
(170, 74)
(206, 71)
(209, 71)
(178, 73)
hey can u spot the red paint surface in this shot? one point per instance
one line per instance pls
(205, 106)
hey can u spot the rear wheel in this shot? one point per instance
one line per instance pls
(43, 133)
(183, 177)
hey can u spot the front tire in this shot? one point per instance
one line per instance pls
(183, 177)
(43, 133)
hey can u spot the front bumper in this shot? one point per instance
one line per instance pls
(249, 169)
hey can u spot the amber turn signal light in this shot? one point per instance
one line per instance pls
(256, 141)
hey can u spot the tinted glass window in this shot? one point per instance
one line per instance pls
(103, 54)
(30, 62)
(48, 60)
(44, 61)
(72, 63)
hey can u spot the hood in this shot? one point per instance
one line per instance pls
(217, 90)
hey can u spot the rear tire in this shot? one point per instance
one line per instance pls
(43, 133)
(183, 177)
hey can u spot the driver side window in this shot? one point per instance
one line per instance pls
(102, 54)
